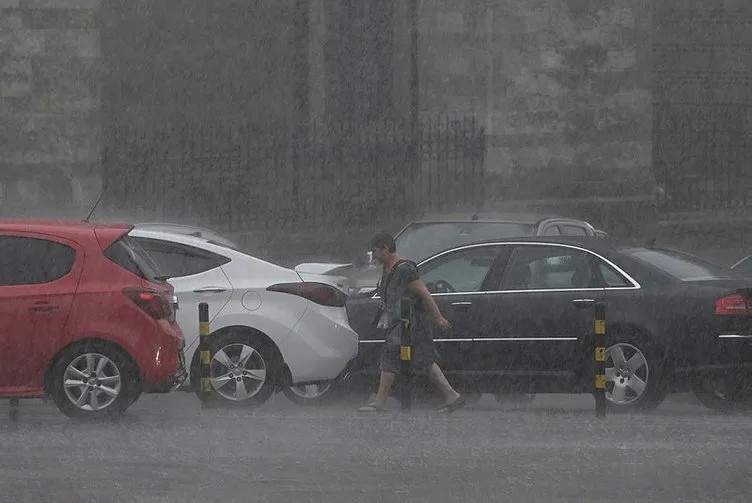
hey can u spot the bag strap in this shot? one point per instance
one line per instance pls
(388, 279)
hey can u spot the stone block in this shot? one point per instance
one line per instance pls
(450, 23)
(71, 19)
(15, 87)
(10, 20)
(619, 60)
(59, 4)
(15, 67)
(72, 43)
(27, 43)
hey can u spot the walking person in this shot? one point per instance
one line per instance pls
(400, 280)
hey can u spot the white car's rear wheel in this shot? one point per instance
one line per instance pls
(242, 370)
(309, 394)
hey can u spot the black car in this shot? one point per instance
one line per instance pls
(522, 320)
(433, 233)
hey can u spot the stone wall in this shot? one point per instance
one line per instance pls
(50, 134)
(564, 87)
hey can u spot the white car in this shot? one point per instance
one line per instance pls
(270, 329)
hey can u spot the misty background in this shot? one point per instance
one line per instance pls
(298, 127)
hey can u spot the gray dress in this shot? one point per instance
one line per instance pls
(392, 290)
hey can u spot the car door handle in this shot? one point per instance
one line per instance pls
(210, 289)
(461, 305)
(583, 303)
(43, 308)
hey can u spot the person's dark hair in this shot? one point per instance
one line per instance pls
(383, 240)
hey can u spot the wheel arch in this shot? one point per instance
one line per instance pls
(282, 376)
(80, 342)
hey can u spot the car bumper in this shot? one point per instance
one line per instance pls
(174, 381)
(320, 346)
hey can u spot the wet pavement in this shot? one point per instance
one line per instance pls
(553, 449)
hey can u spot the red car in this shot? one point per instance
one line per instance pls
(84, 317)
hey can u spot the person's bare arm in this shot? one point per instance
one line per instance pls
(419, 288)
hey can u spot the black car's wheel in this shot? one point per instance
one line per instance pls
(634, 375)
(93, 380)
(719, 393)
(242, 369)
(310, 394)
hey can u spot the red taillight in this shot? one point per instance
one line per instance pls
(733, 304)
(155, 304)
(320, 293)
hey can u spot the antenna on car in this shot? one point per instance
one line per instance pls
(101, 194)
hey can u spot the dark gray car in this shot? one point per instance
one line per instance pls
(431, 234)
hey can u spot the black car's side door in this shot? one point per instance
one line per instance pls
(457, 281)
(540, 323)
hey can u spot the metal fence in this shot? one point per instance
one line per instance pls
(238, 178)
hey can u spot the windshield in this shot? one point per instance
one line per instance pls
(682, 266)
(422, 240)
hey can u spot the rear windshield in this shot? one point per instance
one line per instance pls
(682, 266)
(422, 240)
(128, 254)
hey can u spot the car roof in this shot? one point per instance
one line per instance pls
(60, 227)
(529, 218)
(187, 230)
(594, 243)
(204, 244)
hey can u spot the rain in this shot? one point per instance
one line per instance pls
(208, 209)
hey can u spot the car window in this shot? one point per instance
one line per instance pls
(573, 230)
(176, 260)
(549, 267)
(552, 230)
(611, 277)
(32, 261)
(128, 254)
(681, 266)
(423, 239)
(460, 271)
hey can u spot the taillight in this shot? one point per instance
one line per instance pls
(155, 304)
(320, 293)
(733, 304)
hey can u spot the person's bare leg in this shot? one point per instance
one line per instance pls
(440, 381)
(385, 384)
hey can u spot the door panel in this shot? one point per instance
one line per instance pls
(541, 319)
(211, 287)
(38, 281)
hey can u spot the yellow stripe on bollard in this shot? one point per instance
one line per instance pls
(206, 384)
(600, 354)
(203, 328)
(205, 357)
(406, 353)
(600, 382)
(600, 327)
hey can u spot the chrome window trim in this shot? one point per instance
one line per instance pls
(489, 339)
(635, 285)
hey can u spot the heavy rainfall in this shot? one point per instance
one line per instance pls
(375, 250)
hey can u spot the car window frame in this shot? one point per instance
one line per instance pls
(632, 284)
(78, 256)
(176, 245)
(489, 274)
